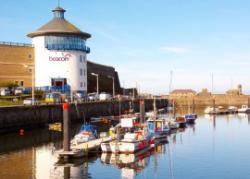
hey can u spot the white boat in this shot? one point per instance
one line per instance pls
(172, 124)
(232, 109)
(110, 147)
(244, 109)
(87, 133)
(134, 142)
(211, 110)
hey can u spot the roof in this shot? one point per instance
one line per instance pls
(59, 26)
(183, 91)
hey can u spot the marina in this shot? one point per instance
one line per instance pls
(202, 145)
(166, 95)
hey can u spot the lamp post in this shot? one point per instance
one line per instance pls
(111, 77)
(97, 82)
(31, 67)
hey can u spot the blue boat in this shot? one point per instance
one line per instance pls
(190, 118)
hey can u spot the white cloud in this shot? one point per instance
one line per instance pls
(178, 50)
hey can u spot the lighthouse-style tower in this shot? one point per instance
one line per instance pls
(60, 55)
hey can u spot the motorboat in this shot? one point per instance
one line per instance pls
(158, 128)
(181, 121)
(211, 110)
(190, 118)
(244, 109)
(232, 109)
(87, 133)
(172, 124)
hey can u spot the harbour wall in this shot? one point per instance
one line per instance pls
(204, 101)
(16, 117)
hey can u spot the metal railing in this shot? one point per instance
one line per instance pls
(16, 44)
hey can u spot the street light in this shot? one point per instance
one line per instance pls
(97, 82)
(111, 77)
(32, 82)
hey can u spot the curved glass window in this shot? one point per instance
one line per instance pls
(66, 43)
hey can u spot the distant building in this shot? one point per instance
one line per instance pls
(204, 92)
(182, 93)
(235, 92)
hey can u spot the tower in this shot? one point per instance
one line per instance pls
(60, 55)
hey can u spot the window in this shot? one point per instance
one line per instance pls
(80, 72)
(30, 70)
(84, 59)
(80, 58)
(30, 56)
(65, 43)
(84, 84)
(81, 84)
(21, 83)
(84, 72)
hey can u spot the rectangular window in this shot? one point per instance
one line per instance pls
(84, 72)
(81, 84)
(84, 84)
(80, 58)
(80, 72)
(21, 83)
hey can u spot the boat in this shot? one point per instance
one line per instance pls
(135, 141)
(158, 128)
(55, 126)
(172, 124)
(181, 121)
(244, 109)
(87, 133)
(190, 118)
(211, 110)
(232, 109)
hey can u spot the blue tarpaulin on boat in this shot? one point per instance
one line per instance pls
(88, 127)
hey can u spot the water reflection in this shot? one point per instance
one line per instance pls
(209, 145)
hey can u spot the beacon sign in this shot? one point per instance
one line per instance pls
(64, 57)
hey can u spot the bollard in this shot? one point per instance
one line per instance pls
(66, 127)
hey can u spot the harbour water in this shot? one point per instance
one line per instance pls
(215, 147)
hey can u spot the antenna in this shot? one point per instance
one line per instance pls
(212, 83)
(170, 82)
(58, 3)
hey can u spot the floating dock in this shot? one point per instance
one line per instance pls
(83, 149)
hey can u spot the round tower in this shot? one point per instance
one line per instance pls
(60, 55)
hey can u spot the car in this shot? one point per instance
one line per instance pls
(93, 97)
(28, 101)
(105, 97)
(19, 90)
(4, 92)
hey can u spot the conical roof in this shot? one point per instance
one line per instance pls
(59, 26)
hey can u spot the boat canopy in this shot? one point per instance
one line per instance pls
(88, 127)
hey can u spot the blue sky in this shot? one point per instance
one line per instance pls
(146, 39)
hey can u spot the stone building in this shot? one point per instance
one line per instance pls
(178, 93)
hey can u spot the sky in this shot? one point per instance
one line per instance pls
(146, 39)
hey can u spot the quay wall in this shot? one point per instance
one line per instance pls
(220, 100)
(16, 117)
